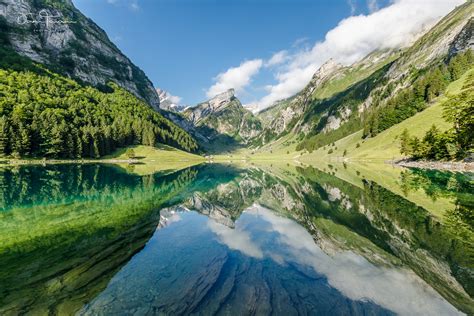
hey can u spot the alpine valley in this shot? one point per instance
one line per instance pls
(351, 112)
(352, 196)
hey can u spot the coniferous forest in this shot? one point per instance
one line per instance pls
(43, 114)
(428, 85)
(455, 143)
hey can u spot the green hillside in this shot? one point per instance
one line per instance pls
(43, 114)
(348, 76)
(385, 145)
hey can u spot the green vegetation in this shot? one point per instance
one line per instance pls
(130, 153)
(43, 114)
(349, 99)
(386, 145)
(353, 74)
(67, 229)
(47, 115)
(427, 85)
(386, 218)
(455, 143)
(226, 129)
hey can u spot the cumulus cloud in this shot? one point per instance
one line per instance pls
(349, 272)
(394, 26)
(175, 99)
(236, 239)
(235, 78)
(277, 59)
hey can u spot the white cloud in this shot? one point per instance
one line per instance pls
(134, 5)
(277, 59)
(117, 38)
(235, 78)
(347, 271)
(236, 239)
(174, 99)
(372, 5)
(394, 26)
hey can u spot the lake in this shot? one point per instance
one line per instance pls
(236, 239)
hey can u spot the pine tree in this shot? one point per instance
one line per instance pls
(54, 147)
(149, 138)
(24, 140)
(4, 135)
(429, 142)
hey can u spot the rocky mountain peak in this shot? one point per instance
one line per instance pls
(214, 105)
(169, 102)
(326, 69)
(222, 99)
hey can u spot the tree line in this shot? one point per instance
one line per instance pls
(455, 143)
(43, 114)
(429, 84)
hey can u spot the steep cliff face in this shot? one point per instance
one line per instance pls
(211, 107)
(452, 34)
(224, 115)
(58, 35)
(286, 115)
(300, 103)
(464, 40)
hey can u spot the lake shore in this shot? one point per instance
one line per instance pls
(436, 165)
(22, 162)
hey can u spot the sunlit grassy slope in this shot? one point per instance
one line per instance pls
(348, 76)
(283, 149)
(385, 146)
(156, 159)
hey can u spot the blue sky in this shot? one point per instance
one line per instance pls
(196, 48)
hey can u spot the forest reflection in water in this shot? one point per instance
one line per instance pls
(219, 239)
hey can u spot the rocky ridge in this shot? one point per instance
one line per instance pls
(60, 36)
(221, 115)
(168, 102)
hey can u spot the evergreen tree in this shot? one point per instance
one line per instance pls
(24, 141)
(4, 135)
(405, 145)
(56, 117)
(430, 142)
(459, 110)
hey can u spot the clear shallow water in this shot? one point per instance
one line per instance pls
(219, 239)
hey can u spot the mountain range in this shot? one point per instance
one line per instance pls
(338, 102)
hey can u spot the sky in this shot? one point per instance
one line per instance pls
(266, 50)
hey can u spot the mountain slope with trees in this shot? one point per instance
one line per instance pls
(49, 110)
(380, 91)
(43, 114)
(71, 44)
(387, 144)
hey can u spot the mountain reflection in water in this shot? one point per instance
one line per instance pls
(221, 239)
